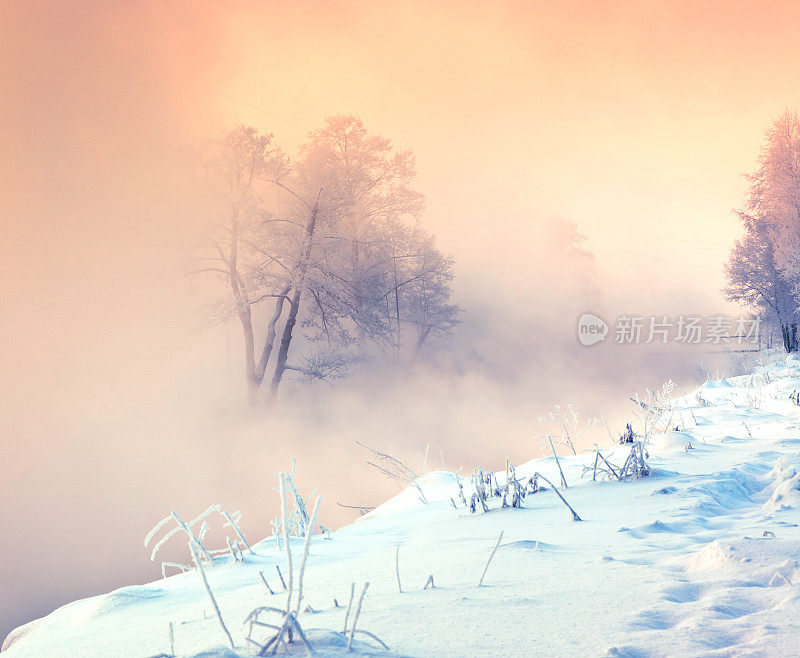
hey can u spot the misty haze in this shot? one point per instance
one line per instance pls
(503, 296)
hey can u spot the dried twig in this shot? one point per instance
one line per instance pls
(280, 575)
(285, 512)
(266, 584)
(575, 516)
(374, 637)
(392, 467)
(494, 550)
(209, 592)
(349, 605)
(235, 525)
(563, 479)
(362, 508)
(355, 618)
(305, 554)
(397, 568)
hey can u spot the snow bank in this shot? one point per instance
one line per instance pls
(703, 560)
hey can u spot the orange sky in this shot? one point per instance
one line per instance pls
(635, 120)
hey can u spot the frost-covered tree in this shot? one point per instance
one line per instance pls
(332, 240)
(763, 270)
(775, 193)
(230, 169)
(420, 289)
(575, 267)
(755, 281)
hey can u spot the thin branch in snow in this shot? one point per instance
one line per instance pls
(234, 523)
(393, 468)
(362, 508)
(349, 605)
(185, 527)
(374, 637)
(552, 447)
(305, 555)
(285, 513)
(355, 618)
(176, 565)
(266, 584)
(397, 568)
(210, 593)
(575, 516)
(569, 422)
(494, 550)
(280, 575)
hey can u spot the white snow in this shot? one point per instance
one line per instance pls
(700, 558)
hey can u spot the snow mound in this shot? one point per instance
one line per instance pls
(672, 440)
(437, 486)
(20, 632)
(710, 558)
(127, 597)
(785, 487)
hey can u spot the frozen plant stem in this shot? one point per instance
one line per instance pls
(563, 480)
(494, 550)
(210, 593)
(349, 605)
(285, 513)
(611, 468)
(575, 516)
(355, 618)
(309, 532)
(280, 575)
(233, 524)
(171, 640)
(397, 567)
(266, 584)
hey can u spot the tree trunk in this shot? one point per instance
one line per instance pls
(294, 307)
(423, 334)
(790, 336)
(242, 310)
(789, 333)
(269, 341)
(397, 299)
(283, 350)
(249, 348)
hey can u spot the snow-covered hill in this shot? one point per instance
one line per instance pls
(700, 558)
